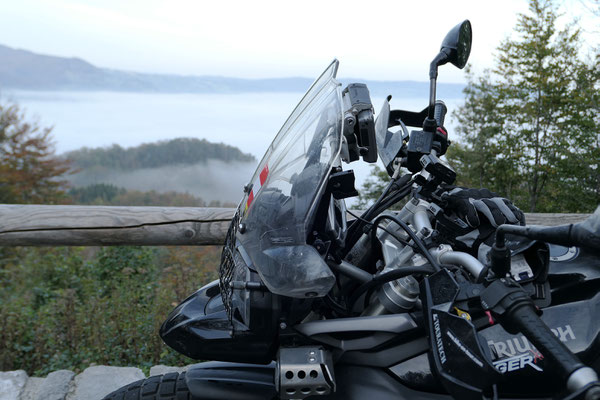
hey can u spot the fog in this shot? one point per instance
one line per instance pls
(214, 180)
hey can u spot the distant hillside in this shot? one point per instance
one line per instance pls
(186, 151)
(22, 69)
(208, 172)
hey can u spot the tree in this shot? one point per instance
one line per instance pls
(29, 171)
(529, 127)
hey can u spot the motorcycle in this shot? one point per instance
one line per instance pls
(314, 302)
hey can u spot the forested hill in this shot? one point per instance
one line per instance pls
(187, 151)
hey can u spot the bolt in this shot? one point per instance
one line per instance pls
(283, 326)
(242, 228)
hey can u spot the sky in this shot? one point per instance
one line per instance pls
(379, 40)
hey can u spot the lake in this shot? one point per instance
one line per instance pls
(248, 121)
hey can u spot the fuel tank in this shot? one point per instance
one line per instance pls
(573, 272)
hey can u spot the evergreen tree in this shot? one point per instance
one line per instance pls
(530, 126)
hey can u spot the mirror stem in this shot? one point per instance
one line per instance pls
(441, 59)
(432, 92)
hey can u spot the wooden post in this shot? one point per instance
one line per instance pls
(41, 225)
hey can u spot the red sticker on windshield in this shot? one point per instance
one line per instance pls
(263, 175)
(257, 185)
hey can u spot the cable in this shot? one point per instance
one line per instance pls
(382, 203)
(379, 280)
(403, 185)
(393, 234)
(393, 199)
(413, 236)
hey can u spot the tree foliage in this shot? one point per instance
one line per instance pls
(29, 171)
(151, 155)
(529, 127)
(97, 193)
(110, 195)
(65, 308)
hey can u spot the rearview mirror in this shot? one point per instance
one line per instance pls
(456, 48)
(457, 44)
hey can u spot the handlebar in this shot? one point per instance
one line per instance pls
(439, 112)
(516, 312)
(527, 322)
(585, 234)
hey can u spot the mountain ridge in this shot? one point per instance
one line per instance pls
(27, 70)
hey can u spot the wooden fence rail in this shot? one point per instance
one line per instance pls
(40, 225)
(43, 225)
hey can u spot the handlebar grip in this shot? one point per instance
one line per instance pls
(439, 112)
(526, 320)
(516, 313)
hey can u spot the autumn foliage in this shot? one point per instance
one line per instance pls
(29, 171)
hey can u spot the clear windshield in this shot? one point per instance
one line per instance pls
(278, 209)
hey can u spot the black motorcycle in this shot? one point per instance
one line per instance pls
(314, 301)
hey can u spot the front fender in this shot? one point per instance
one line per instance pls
(232, 381)
(200, 329)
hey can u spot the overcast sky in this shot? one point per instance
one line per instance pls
(383, 40)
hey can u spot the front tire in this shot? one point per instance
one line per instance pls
(161, 387)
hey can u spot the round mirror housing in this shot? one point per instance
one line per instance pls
(457, 44)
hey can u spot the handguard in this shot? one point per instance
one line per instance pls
(456, 353)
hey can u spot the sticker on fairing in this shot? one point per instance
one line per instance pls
(517, 352)
(519, 268)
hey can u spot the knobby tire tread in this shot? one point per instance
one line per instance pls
(170, 386)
